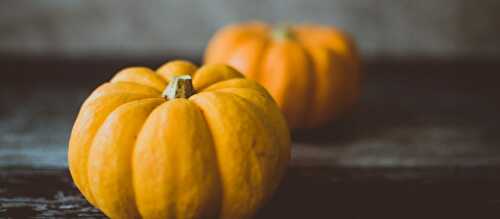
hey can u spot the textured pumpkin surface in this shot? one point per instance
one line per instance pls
(312, 71)
(218, 154)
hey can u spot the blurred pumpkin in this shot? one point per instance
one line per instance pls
(213, 146)
(312, 71)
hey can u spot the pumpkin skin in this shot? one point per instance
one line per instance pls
(312, 71)
(219, 153)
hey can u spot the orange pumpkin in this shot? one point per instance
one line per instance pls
(312, 71)
(214, 146)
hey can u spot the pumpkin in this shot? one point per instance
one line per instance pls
(180, 142)
(312, 71)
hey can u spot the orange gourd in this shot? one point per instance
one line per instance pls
(312, 71)
(211, 144)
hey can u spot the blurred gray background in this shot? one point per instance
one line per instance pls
(383, 28)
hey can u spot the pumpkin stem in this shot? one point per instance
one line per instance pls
(282, 32)
(179, 87)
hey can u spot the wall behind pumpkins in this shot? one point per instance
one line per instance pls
(394, 28)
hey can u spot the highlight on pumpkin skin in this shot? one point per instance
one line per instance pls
(176, 68)
(140, 75)
(216, 146)
(330, 67)
(205, 75)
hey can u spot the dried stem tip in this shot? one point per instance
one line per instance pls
(179, 87)
(282, 32)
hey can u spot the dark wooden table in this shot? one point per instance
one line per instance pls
(423, 143)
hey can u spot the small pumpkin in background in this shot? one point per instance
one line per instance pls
(312, 71)
(179, 142)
